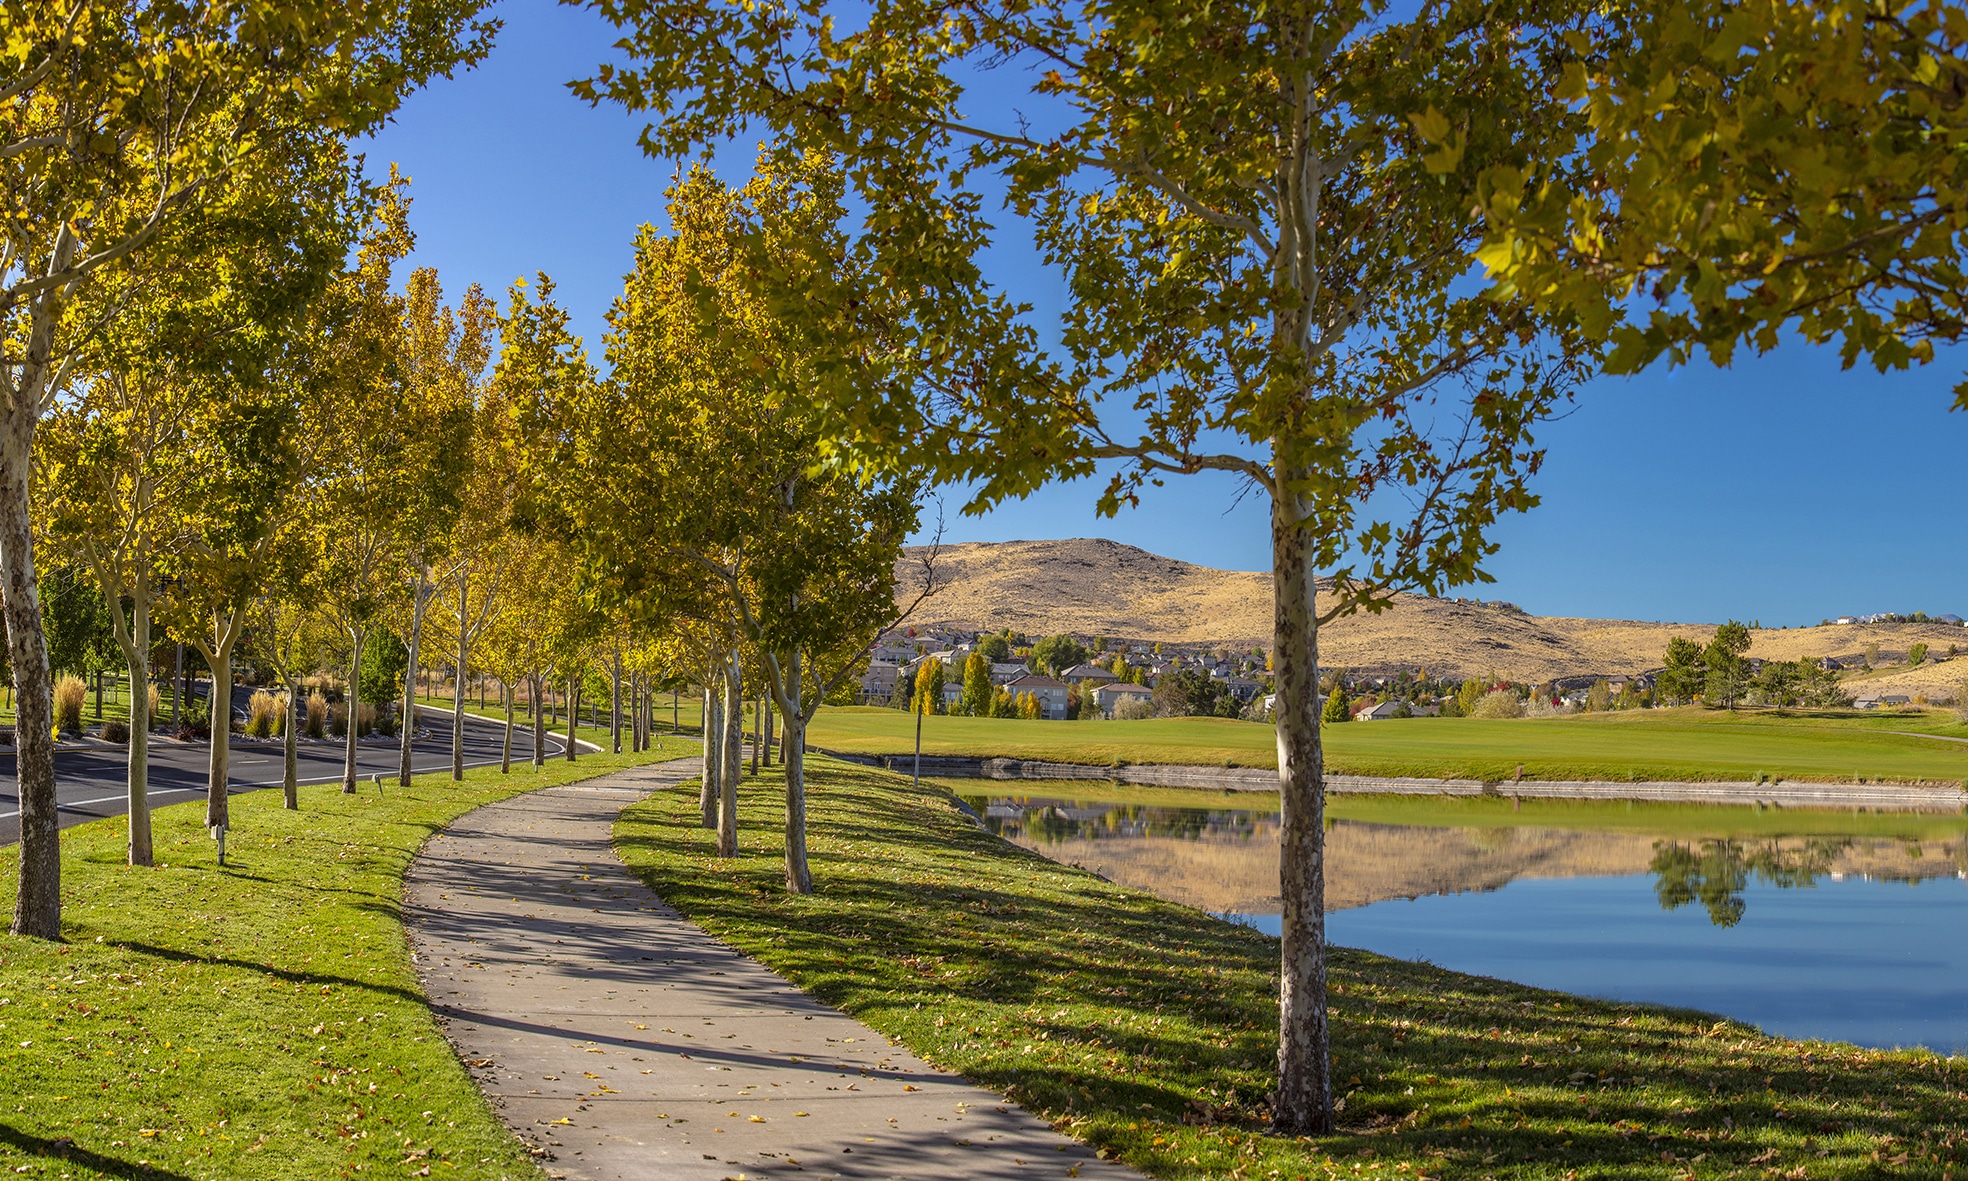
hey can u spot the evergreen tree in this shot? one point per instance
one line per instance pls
(1728, 672)
(1682, 680)
(1336, 706)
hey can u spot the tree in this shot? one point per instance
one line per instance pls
(1728, 672)
(928, 698)
(1916, 654)
(1056, 654)
(995, 649)
(1264, 251)
(1755, 170)
(365, 477)
(1469, 693)
(1682, 679)
(444, 355)
(121, 118)
(1338, 708)
(977, 687)
(180, 426)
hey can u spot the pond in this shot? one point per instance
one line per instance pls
(1846, 926)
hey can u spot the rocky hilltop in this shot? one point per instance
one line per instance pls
(1093, 587)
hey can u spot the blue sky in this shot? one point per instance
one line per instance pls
(1781, 489)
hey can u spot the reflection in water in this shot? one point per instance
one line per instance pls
(1716, 874)
(1813, 936)
(1224, 860)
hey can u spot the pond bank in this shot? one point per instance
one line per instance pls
(1147, 1029)
(1784, 793)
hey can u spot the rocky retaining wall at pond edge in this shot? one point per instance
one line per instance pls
(1784, 793)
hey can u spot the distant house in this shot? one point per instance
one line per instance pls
(1082, 674)
(1051, 693)
(1241, 688)
(1895, 699)
(1004, 674)
(1109, 697)
(1831, 664)
(1386, 709)
(1883, 701)
(1845, 619)
(878, 683)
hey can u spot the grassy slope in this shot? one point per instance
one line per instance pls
(1649, 744)
(260, 1020)
(1146, 1028)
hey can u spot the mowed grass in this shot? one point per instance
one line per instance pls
(1148, 1029)
(1669, 744)
(256, 1021)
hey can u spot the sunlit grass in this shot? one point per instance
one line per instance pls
(1678, 744)
(256, 1021)
(1148, 1029)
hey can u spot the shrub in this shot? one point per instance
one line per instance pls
(1134, 709)
(1501, 703)
(116, 732)
(156, 699)
(385, 724)
(317, 714)
(70, 693)
(338, 720)
(265, 713)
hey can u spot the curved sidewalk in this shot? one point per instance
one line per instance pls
(623, 1042)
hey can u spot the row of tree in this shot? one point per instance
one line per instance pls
(1267, 219)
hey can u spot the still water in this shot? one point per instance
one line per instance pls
(1808, 924)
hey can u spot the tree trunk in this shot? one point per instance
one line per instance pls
(713, 747)
(505, 753)
(765, 735)
(218, 778)
(178, 691)
(458, 689)
(138, 779)
(99, 695)
(539, 724)
(1304, 1105)
(351, 703)
(758, 730)
(615, 704)
(733, 760)
(419, 601)
(37, 908)
(290, 783)
(573, 715)
(799, 876)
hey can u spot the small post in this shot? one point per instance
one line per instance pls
(378, 780)
(218, 834)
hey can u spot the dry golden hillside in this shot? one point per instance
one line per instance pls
(1093, 587)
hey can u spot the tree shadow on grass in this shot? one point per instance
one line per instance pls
(61, 1148)
(314, 979)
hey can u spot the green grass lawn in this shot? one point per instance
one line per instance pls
(1148, 1029)
(256, 1021)
(1673, 744)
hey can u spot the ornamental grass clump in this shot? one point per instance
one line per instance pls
(265, 714)
(317, 714)
(70, 693)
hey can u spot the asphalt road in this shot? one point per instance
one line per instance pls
(91, 782)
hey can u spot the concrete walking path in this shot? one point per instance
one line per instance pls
(624, 1043)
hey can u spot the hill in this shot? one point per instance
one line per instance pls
(1093, 587)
